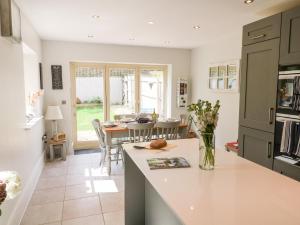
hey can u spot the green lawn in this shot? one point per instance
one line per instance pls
(85, 115)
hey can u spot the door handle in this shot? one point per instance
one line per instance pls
(271, 115)
(257, 36)
(269, 149)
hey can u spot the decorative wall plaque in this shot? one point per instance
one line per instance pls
(56, 71)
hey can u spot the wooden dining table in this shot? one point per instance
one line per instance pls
(121, 132)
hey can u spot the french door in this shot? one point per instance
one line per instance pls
(88, 102)
(100, 91)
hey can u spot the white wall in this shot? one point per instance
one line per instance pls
(215, 52)
(62, 53)
(20, 150)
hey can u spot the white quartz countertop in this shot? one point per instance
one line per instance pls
(237, 192)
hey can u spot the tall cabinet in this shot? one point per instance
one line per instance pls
(290, 37)
(259, 74)
(267, 44)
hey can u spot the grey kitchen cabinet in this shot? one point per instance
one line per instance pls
(256, 146)
(262, 30)
(259, 84)
(289, 170)
(290, 37)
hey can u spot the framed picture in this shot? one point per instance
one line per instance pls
(41, 76)
(224, 76)
(232, 73)
(56, 71)
(213, 77)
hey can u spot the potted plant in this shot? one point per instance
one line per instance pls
(206, 122)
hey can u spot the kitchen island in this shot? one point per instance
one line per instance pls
(237, 192)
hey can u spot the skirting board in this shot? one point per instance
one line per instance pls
(25, 196)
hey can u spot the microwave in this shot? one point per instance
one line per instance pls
(285, 92)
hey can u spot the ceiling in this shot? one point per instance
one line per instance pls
(125, 22)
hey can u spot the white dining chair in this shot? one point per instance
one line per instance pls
(140, 132)
(116, 145)
(168, 130)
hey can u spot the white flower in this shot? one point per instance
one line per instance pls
(13, 183)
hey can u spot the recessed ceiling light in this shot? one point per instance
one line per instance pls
(248, 2)
(150, 22)
(91, 36)
(197, 27)
(95, 16)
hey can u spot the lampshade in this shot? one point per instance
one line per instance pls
(53, 113)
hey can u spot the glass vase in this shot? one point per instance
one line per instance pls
(207, 151)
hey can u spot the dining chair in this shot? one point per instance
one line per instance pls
(184, 119)
(116, 145)
(140, 132)
(168, 130)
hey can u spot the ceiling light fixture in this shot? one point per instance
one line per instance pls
(91, 36)
(150, 22)
(197, 27)
(95, 16)
(248, 2)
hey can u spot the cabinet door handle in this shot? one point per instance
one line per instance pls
(269, 149)
(257, 36)
(271, 115)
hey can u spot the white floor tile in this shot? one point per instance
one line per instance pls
(77, 179)
(51, 182)
(90, 220)
(81, 207)
(54, 172)
(40, 197)
(112, 202)
(41, 214)
(80, 191)
(114, 218)
(55, 223)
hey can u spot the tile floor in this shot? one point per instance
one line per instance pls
(77, 192)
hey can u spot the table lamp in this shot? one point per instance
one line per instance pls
(53, 113)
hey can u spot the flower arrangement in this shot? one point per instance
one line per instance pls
(10, 186)
(206, 121)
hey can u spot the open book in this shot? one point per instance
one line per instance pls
(167, 163)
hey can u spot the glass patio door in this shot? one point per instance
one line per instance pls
(122, 91)
(152, 92)
(89, 103)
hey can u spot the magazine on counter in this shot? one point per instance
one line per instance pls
(167, 163)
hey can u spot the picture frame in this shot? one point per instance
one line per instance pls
(56, 72)
(213, 77)
(224, 76)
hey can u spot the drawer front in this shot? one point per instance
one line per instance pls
(262, 30)
(287, 169)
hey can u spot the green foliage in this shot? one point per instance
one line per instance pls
(94, 100)
(206, 114)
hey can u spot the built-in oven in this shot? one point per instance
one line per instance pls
(286, 92)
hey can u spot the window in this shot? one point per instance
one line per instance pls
(100, 91)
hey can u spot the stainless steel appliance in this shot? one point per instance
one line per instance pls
(286, 92)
